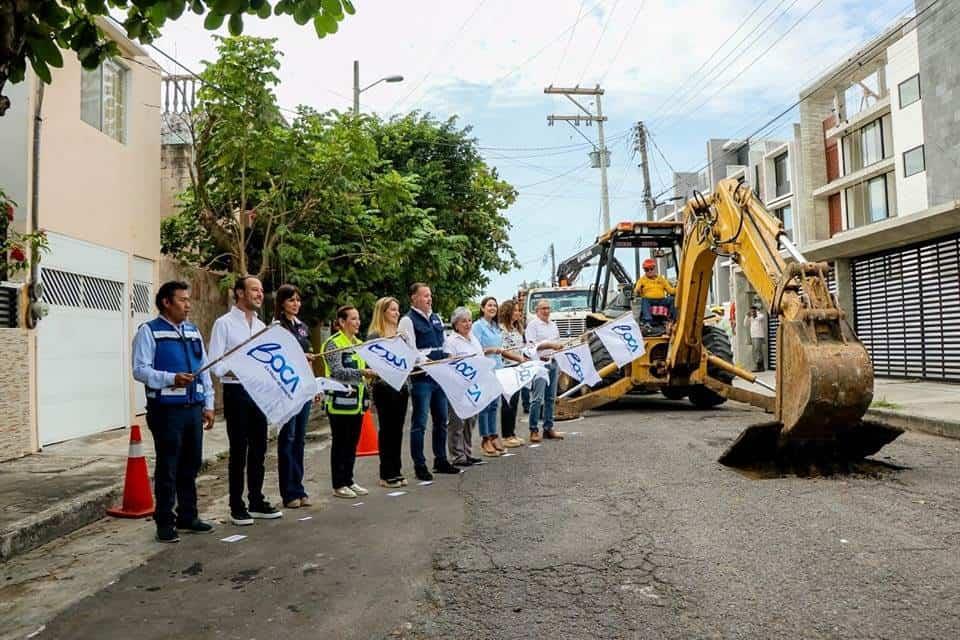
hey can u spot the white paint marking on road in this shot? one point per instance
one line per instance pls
(305, 518)
(507, 455)
(534, 446)
(844, 541)
(573, 433)
(394, 494)
(234, 538)
(356, 504)
(37, 632)
(425, 483)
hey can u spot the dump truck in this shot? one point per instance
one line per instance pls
(824, 377)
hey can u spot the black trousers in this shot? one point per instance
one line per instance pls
(508, 416)
(247, 432)
(344, 435)
(391, 414)
(178, 440)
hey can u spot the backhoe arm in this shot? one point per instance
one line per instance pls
(824, 374)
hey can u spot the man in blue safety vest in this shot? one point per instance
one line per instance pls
(167, 351)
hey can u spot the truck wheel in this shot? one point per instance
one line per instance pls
(717, 342)
(601, 358)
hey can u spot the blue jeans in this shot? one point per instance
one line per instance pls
(488, 420)
(178, 438)
(290, 456)
(541, 399)
(645, 303)
(428, 400)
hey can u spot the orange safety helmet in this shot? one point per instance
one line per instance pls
(649, 262)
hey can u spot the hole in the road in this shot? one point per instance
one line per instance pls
(765, 451)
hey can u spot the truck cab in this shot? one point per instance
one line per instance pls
(569, 307)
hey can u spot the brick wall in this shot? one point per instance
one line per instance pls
(15, 435)
(174, 174)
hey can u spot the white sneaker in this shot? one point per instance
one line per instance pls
(357, 489)
(344, 492)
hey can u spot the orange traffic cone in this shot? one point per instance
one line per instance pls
(137, 498)
(368, 437)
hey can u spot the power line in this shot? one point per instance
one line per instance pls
(563, 57)
(917, 19)
(623, 41)
(606, 23)
(693, 75)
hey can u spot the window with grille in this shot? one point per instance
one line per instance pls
(8, 306)
(141, 298)
(103, 99)
(66, 289)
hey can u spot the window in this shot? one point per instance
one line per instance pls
(781, 171)
(756, 180)
(913, 161)
(877, 198)
(103, 99)
(909, 91)
(871, 143)
(785, 215)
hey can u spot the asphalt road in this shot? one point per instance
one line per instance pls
(629, 529)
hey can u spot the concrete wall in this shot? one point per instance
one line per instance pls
(813, 215)
(939, 53)
(907, 123)
(175, 174)
(17, 435)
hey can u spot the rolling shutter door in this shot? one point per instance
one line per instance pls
(907, 309)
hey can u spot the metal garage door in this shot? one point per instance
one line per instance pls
(774, 321)
(141, 310)
(907, 309)
(82, 379)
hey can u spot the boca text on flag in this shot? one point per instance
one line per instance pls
(577, 363)
(275, 372)
(622, 339)
(469, 383)
(392, 359)
(512, 379)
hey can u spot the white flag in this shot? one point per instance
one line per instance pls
(329, 384)
(274, 371)
(469, 384)
(578, 364)
(392, 359)
(512, 379)
(623, 339)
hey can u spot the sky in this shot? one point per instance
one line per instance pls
(690, 70)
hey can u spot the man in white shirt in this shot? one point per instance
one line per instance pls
(544, 333)
(756, 320)
(246, 424)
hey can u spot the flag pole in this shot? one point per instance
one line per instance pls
(236, 348)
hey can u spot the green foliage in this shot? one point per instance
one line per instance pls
(37, 30)
(348, 208)
(17, 248)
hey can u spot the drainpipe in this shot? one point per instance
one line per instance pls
(34, 286)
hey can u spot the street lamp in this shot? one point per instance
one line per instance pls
(356, 85)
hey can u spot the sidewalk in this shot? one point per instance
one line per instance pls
(69, 485)
(914, 405)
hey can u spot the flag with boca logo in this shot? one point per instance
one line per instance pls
(274, 371)
(623, 339)
(392, 359)
(577, 363)
(512, 379)
(469, 384)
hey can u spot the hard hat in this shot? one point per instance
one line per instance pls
(649, 262)
(717, 309)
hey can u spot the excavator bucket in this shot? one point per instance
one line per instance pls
(824, 388)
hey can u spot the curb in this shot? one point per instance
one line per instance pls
(40, 528)
(932, 426)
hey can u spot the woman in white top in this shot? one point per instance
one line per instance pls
(512, 344)
(460, 432)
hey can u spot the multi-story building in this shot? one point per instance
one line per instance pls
(98, 170)
(880, 140)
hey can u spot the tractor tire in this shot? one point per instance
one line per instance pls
(675, 393)
(601, 358)
(717, 342)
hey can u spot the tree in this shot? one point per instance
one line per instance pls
(36, 30)
(347, 207)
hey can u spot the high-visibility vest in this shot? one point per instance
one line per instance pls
(340, 402)
(177, 352)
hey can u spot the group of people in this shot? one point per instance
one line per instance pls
(170, 359)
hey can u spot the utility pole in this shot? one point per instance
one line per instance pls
(640, 145)
(600, 158)
(553, 267)
(356, 87)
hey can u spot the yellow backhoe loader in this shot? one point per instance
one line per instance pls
(824, 377)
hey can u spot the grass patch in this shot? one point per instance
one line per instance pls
(883, 403)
